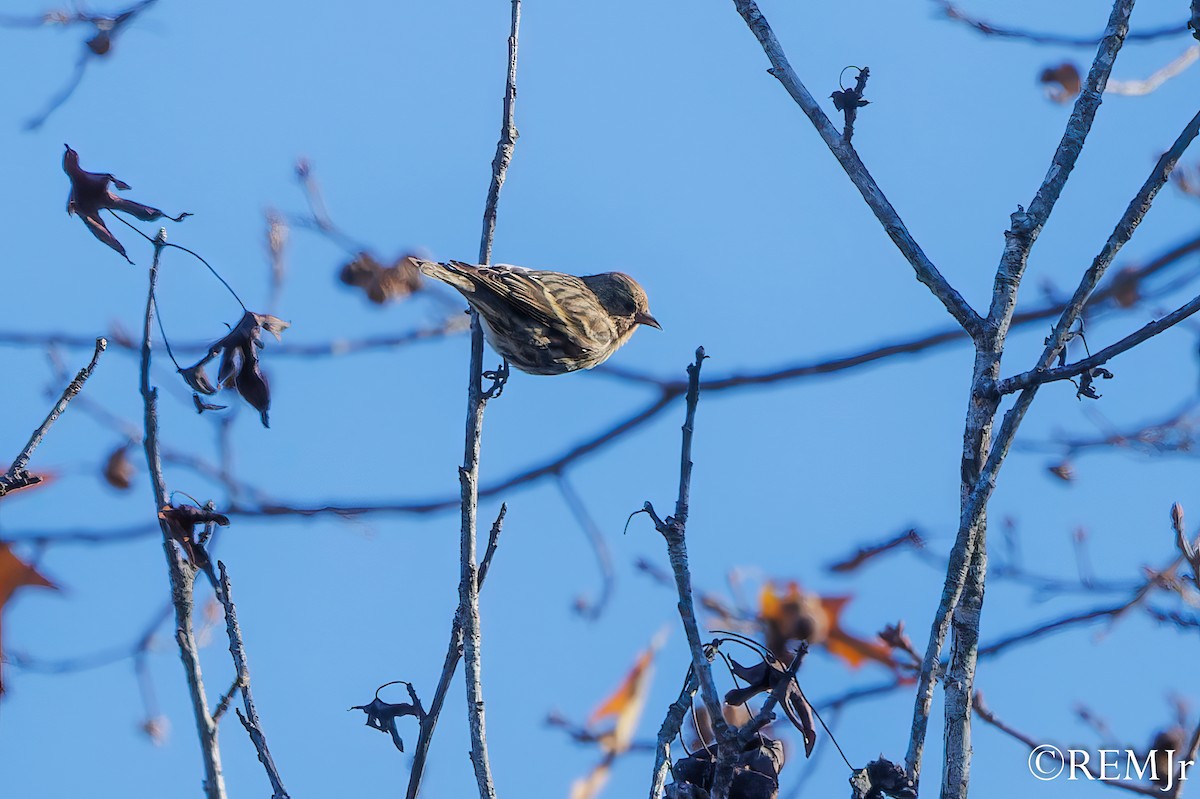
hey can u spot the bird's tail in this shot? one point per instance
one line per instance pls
(453, 273)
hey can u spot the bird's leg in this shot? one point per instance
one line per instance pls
(498, 376)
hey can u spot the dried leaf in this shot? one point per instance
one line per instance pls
(1124, 287)
(382, 715)
(239, 366)
(764, 677)
(627, 702)
(90, 194)
(383, 284)
(1062, 83)
(156, 728)
(797, 615)
(1063, 470)
(118, 469)
(15, 574)
(182, 521)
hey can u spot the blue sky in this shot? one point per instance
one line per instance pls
(652, 141)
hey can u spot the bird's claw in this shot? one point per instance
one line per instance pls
(498, 376)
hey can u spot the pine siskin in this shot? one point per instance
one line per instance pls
(549, 323)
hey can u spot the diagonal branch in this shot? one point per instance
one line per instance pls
(250, 720)
(842, 150)
(1129, 221)
(1146, 332)
(18, 476)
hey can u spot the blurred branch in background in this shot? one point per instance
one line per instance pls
(955, 12)
(104, 29)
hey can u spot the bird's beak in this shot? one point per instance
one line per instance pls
(646, 319)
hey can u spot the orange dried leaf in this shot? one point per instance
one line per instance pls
(15, 574)
(1062, 83)
(802, 616)
(626, 703)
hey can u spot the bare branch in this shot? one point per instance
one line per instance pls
(599, 546)
(967, 566)
(841, 148)
(250, 721)
(1146, 332)
(674, 530)
(182, 574)
(468, 585)
(18, 476)
(449, 666)
(667, 732)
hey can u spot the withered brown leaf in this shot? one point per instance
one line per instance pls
(382, 284)
(90, 194)
(239, 367)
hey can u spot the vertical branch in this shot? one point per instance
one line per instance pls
(506, 145)
(674, 530)
(962, 593)
(454, 654)
(468, 585)
(182, 574)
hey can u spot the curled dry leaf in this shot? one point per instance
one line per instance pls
(382, 715)
(239, 367)
(382, 284)
(1062, 83)
(764, 677)
(182, 521)
(118, 469)
(90, 194)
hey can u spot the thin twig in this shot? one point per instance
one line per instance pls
(1146, 332)
(674, 530)
(985, 714)
(595, 537)
(18, 476)
(668, 731)
(251, 721)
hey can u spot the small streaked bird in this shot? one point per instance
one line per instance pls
(549, 323)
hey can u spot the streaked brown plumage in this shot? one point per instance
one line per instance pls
(549, 323)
